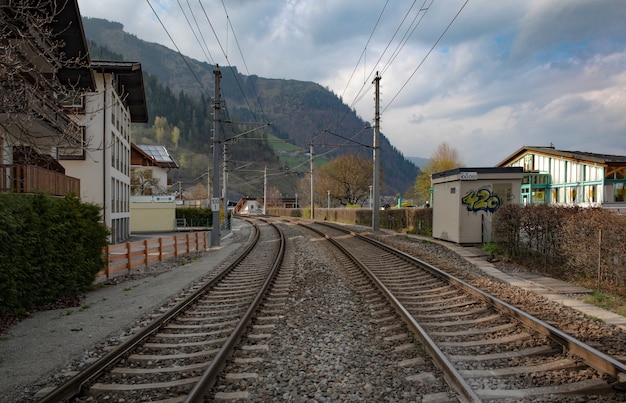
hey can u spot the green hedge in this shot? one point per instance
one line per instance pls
(196, 217)
(50, 248)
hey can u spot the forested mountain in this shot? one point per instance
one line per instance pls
(300, 112)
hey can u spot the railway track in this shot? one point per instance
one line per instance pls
(487, 349)
(179, 355)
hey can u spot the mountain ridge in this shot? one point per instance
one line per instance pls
(301, 112)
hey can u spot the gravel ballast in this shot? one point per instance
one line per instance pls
(302, 350)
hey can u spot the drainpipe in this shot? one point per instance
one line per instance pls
(104, 156)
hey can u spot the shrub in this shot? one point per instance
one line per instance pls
(50, 248)
(196, 217)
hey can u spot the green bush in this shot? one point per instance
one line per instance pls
(50, 248)
(196, 217)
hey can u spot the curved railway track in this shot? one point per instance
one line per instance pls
(487, 349)
(179, 355)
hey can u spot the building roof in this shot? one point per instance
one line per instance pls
(156, 154)
(496, 170)
(130, 85)
(574, 155)
(68, 27)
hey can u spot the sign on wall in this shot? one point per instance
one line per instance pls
(468, 176)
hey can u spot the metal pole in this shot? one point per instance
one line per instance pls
(296, 206)
(312, 182)
(328, 192)
(215, 231)
(376, 181)
(265, 191)
(225, 186)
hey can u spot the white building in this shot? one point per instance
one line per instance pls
(103, 163)
(570, 177)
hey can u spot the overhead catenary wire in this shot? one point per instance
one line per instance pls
(224, 52)
(179, 52)
(426, 56)
(202, 43)
(408, 32)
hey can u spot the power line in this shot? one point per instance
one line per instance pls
(426, 56)
(203, 45)
(178, 50)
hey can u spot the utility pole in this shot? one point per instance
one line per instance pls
(225, 187)
(215, 201)
(265, 191)
(312, 182)
(376, 181)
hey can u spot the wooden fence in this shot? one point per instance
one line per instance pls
(129, 255)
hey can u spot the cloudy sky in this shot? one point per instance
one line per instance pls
(505, 74)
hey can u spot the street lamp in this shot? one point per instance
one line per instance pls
(370, 199)
(328, 191)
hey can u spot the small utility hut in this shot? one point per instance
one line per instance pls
(464, 200)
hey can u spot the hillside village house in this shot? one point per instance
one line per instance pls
(570, 177)
(149, 166)
(46, 67)
(103, 162)
(152, 206)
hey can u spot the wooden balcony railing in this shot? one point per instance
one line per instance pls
(32, 179)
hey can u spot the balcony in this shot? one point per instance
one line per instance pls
(33, 179)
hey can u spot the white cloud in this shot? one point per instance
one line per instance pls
(507, 73)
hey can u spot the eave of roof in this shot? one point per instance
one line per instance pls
(68, 27)
(481, 170)
(130, 80)
(150, 158)
(574, 155)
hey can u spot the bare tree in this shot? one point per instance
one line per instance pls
(33, 98)
(143, 183)
(347, 177)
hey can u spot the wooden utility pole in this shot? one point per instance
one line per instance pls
(215, 201)
(376, 176)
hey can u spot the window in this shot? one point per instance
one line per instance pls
(619, 192)
(452, 191)
(74, 153)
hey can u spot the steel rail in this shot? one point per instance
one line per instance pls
(592, 357)
(454, 378)
(72, 387)
(209, 377)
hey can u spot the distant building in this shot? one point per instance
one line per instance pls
(149, 168)
(152, 206)
(562, 177)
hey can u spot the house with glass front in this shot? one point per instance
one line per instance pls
(570, 177)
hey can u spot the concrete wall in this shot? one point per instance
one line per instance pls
(149, 216)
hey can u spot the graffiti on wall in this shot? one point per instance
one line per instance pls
(482, 199)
